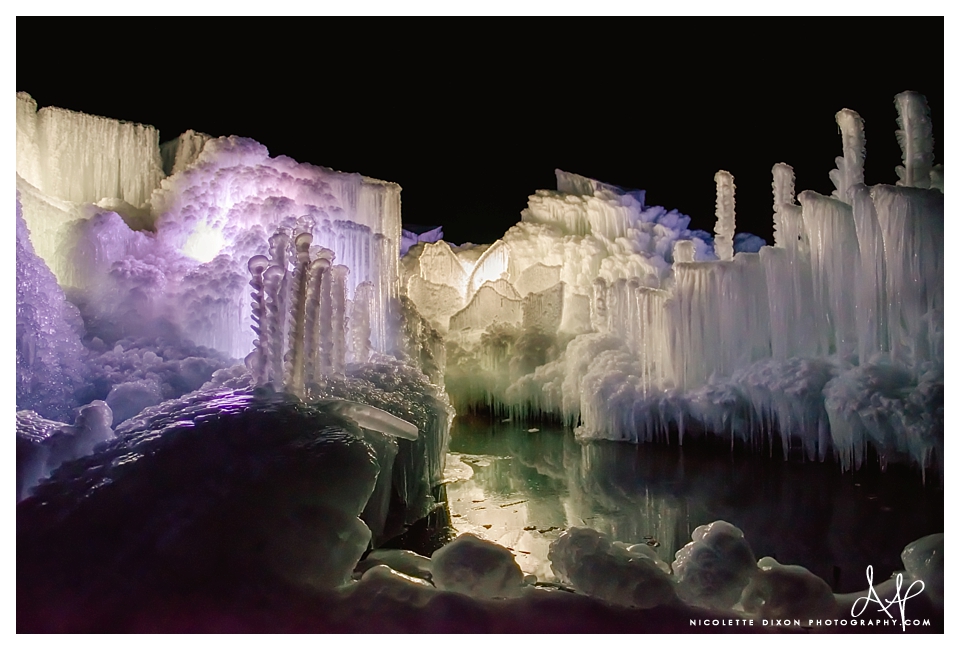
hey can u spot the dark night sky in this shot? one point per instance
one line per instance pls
(472, 116)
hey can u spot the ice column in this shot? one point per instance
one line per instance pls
(726, 217)
(849, 171)
(317, 270)
(916, 139)
(783, 195)
(258, 360)
(300, 316)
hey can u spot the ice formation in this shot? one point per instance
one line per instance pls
(160, 246)
(276, 476)
(613, 316)
(143, 244)
(43, 445)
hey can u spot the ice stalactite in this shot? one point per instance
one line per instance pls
(915, 136)
(783, 195)
(726, 216)
(849, 171)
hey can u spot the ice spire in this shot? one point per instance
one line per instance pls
(783, 195)
(849, 171)
(726, 216)
(915, 136)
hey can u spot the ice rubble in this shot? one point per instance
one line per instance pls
(612, 315)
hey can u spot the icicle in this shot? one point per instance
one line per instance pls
(726, 216)
(849, 171)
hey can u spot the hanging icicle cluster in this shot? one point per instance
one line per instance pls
(300, 310)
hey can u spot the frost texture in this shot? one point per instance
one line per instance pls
(49, 353)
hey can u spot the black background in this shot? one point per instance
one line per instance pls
(471, 116)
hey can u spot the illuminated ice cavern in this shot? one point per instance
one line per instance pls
(230, 383)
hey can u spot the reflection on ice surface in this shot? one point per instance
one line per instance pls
(521, 489)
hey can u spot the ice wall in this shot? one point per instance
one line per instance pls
(84, 158)
(599, 310)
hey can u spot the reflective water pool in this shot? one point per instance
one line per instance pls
(521, 488)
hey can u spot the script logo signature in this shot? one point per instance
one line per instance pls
(887, 605)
